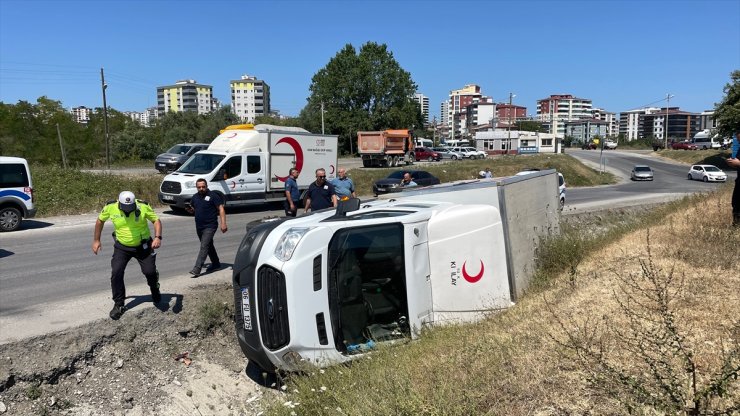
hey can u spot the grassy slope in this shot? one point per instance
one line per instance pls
(64, 192)
(516, 362)
(698, 157)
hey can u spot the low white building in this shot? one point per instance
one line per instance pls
(498, 142)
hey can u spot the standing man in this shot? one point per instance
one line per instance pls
(407, 181)
(132, 239)
(344, 188)
(734, 162)
(320, 193)
(208, 207)
(292, 194)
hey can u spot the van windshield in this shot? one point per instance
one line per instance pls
(201, 163)
(179, 149)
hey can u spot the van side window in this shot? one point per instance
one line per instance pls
(253, 164)
(13, 175)
(233, 166)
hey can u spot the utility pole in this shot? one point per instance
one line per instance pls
(665, 122)
(434, 131)
(105, 119)
(61, 147)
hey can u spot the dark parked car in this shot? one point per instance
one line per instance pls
(178, 154)
(588, 146)
(425, 153)
(393, 182)
(685, 145)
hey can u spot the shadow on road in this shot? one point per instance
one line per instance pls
(163, 305)
(34, 224)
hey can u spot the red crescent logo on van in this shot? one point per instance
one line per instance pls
(231, 135)
(298, 154)
(331, 169)
(473, 279)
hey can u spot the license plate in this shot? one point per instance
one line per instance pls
(168, 198)
(246, 311)
(161, 165)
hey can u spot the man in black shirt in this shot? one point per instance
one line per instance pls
(207, 207)
(320, 194)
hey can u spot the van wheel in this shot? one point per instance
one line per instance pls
(178, 210)
(10, 219)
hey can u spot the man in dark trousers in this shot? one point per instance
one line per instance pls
(208, 207)
(132, 240)
(292, 194)
(320, 193)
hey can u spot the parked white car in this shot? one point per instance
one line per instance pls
(610, 144)
(561, 185)
(707, 173)
(470, 152)
(447, 153)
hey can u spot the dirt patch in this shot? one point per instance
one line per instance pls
(130, 367)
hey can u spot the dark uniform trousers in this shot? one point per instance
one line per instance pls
(121, 256)
(205, 235)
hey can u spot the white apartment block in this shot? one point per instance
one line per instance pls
(185, 95)
(250, 98)
(707, 121)
(630, 124)
(557, 109)
(443, 113)
(81, 114)
(458, 101)
(611, 119)
(423, 101)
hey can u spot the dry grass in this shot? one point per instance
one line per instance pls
(698, 157)
(522, 361)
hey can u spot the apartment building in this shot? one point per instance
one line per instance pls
(444, 116)
(585, 129)
(681, 125)
(185, 95)
(707, 121)
(145, 118)
(508, 114)
(611, 119)
(479, 113)
(457, 103)
(250, 98)
(423, 102)
(81, 114)
(555, 110)
(630, 125)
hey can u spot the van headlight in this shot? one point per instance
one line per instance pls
(189, 184)
(288, 242)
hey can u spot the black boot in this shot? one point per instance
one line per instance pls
(156, 296)
(117, 311)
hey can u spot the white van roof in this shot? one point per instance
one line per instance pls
(246, 137)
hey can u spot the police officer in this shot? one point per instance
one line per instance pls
(132, 239)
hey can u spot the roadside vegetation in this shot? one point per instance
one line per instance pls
(628, 316)
(698, 157)
(70, 191)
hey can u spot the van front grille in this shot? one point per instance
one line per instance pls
(170, 187)
(273, 308)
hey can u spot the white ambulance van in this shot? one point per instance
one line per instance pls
(248, 164)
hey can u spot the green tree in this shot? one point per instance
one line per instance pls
(361, 91)
(529, 125)
(727, 112)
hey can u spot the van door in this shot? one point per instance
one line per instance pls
(243, 179)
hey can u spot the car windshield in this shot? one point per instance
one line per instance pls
(179, 149)
(711, 169)
(201, 163)
(642, 169)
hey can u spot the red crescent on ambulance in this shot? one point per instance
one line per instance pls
(473, 279)
(298, 154)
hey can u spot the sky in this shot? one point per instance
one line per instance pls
(621, 55)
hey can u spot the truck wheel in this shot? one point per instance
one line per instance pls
(365, 163)
(388, 161)
(10, 219)
(412, 159)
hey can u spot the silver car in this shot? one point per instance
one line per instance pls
(447, 153)
(642, 173)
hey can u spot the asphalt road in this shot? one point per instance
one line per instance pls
(50, 259)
